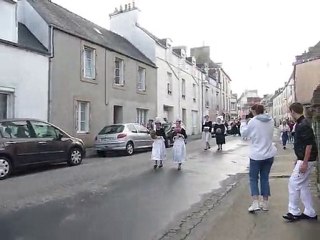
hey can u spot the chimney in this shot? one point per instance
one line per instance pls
(133, 5)
(121, 9)
(126, 7)
(129, 6)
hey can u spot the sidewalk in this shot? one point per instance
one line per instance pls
(231, 220)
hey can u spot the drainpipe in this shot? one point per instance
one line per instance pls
(294, 84)
(51, 48)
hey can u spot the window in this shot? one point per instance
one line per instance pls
(119, 72)
(6, 105)
(142, 116)
(207, 97)
(194, 92)
(82, 117)
(183, 88)
(89, 63)
(169, 83)
(17, 129)
(44, 130)
(141, 85)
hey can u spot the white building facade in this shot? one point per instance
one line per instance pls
(179, 80)
(24, 69)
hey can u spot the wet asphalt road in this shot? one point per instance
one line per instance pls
(113, 198)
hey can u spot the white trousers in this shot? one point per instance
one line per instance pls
(206, 136)
(299, 190)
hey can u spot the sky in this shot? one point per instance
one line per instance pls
(255, 40)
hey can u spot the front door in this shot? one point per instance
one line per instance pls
(51, 147)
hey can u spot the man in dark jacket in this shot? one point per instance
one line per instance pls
(306, 151)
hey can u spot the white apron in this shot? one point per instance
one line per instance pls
(158, 150)
(179, 150)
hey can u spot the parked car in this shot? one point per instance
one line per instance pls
(25, 142)
(123, 137)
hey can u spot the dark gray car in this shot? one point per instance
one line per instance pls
(25, 142)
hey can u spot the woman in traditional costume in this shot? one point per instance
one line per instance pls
(219, 130)
(179, 146)
(159, 151)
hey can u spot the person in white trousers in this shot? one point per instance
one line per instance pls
(306, 151)
(206, 131)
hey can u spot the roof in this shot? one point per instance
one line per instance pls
(161, 42)
(71, 23)
(28, 40)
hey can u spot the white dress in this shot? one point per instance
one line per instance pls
(159, 151)
(179, 150)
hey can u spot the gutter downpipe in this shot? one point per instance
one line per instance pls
(50, 74)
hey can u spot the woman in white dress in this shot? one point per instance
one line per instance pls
(179, 146)
(159, 151)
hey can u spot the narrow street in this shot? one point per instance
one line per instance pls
(113, 198)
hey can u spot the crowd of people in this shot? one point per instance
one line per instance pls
(259, 128)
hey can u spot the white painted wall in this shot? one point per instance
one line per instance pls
(124, 24)
(34, 22)
(8, 21)
(27, 74)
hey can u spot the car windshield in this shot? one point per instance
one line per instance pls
(112, 129)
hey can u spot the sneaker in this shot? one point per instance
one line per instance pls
(290, 217)
(161, 165)
(254, 206)
(304, 216)
(155, 166)
(264, 205)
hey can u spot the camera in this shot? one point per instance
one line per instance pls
(250, 115)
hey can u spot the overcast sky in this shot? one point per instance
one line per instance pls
(256, 40)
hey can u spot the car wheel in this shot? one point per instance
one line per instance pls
(5, 167)
(129, 148)
(101, 153)
(75, 156)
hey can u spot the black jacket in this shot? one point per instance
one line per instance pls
(207, 124)
(304, 136)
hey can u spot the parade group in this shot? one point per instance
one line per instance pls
(218, 129)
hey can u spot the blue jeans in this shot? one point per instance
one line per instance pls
(263, 168)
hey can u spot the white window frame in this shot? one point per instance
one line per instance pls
(141, 84)
(183, 88)
(10, 101)
(142, 115)
(121, 81)
(78, 117)
(92, 73)
(169, 83)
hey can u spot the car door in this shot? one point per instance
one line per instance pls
(20, 142)
(144, 135)
(52, 147)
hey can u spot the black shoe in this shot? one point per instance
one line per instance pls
(206, 149)
(155, 166)
(160, 166)
(290, 217)
(304, 216)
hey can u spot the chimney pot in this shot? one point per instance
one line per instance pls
(126, 7)
(121, 9)
(129, 6)
(133, 5)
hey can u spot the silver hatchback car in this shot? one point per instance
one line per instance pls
(122, 137)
